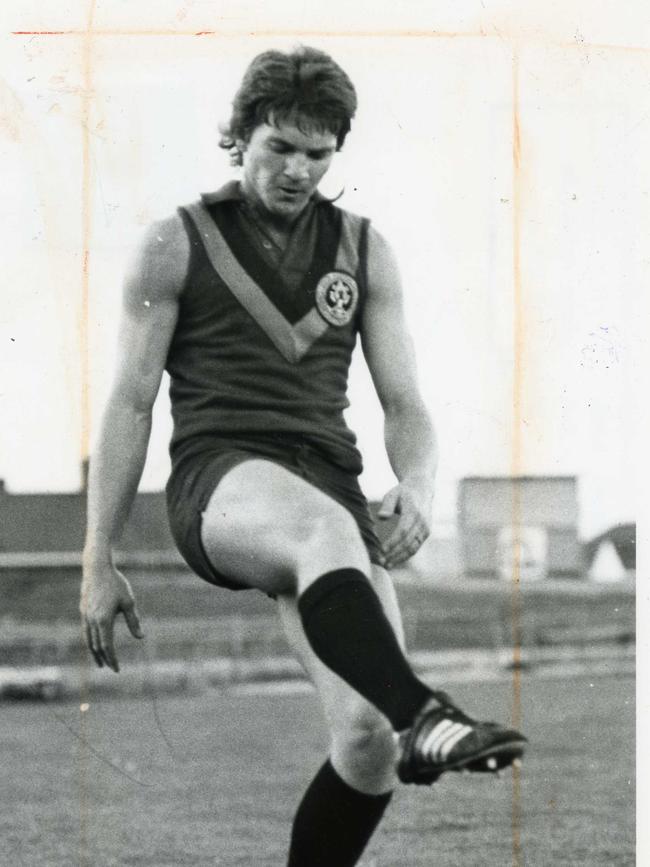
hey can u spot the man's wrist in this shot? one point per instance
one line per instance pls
(424, 482)
(97, 554)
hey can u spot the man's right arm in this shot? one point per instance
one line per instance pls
(150, 309)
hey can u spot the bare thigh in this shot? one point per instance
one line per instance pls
(362, 743)
(267, 528)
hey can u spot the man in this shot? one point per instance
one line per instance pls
(252, 299)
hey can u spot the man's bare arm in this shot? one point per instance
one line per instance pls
(408, 431)
(150, 309)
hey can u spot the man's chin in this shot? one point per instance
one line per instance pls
(287, 209)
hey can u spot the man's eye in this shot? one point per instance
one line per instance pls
(279, 148)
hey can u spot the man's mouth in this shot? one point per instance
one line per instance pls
(293, 192)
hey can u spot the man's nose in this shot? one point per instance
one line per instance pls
(296, 167)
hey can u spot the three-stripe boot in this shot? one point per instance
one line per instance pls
(443, 738)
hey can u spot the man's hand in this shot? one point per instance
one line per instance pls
(414, 525)
(105, 592)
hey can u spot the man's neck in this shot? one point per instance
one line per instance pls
(272, 222)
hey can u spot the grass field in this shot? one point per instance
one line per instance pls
(220, 787)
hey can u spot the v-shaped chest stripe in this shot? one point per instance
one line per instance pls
(316, 253)
(292, 341)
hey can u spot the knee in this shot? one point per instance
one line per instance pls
(333, 527)
(329, 540)
(364, 752)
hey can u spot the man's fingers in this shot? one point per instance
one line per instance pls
(133, 620)
(106, 642)
(404, 531)
(404, 543)
(99, 634)
(93, 646)
(388, 504)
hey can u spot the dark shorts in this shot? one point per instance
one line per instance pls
(195, 478)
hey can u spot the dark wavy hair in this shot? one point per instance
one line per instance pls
(304, 87)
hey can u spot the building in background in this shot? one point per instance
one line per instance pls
(525, 526)
(48, 529)
(530, 521)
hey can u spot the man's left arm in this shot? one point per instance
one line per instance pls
(408, 431)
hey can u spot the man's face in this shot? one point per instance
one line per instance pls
(283, 166)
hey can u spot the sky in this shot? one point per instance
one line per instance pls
(504, 158)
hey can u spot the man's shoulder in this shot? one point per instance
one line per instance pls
(354, 227)
(167, 229)
(166, 240)
(162, 256)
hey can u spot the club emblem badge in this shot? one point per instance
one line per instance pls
(337, 296)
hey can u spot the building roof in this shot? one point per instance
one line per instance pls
(623, 537)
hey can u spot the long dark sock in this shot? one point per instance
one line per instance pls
(348, 630)
(334, 822)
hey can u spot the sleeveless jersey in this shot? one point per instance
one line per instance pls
(253, 356)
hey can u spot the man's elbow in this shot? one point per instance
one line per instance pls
(136, 404)
(404, 408)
